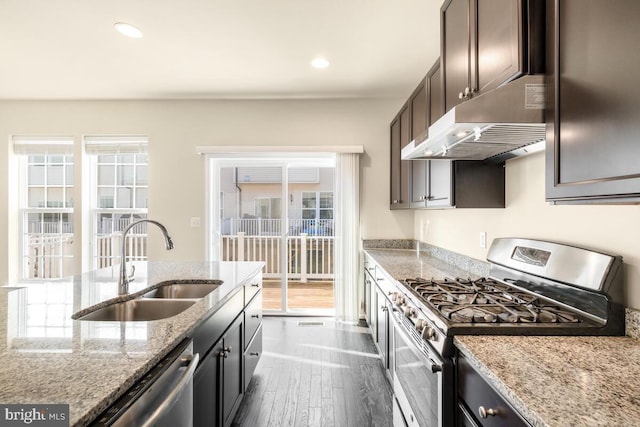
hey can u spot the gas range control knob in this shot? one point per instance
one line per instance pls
(429, 333)
(409, 311)
(399, 299)
(420, 324)
(394, 296)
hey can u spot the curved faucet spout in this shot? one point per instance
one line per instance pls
(123, 282)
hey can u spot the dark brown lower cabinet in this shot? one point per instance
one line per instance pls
(229, 360)
(231, 384)
(479, 404)
(218, 382)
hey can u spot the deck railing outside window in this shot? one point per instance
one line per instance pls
(310, 246)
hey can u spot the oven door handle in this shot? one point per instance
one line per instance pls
(435, 365)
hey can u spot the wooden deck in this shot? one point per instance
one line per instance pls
(316, 294)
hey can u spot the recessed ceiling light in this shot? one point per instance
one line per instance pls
(128, 30)
(320, 62)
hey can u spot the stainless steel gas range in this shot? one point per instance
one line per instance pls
(534, 288)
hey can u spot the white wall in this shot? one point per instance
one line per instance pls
(609, 228)
(177, 173)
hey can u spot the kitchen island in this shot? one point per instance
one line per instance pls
(47, 358)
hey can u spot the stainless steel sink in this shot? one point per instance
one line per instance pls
(139, 310)
(183, 290)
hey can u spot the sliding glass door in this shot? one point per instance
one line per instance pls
(280, 212)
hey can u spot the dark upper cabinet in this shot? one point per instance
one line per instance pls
(485, 43)
(434, 90)
(428, 99)
(455, 49)
(593, 119)
(447, 183)
(400, 191)
(419, 104)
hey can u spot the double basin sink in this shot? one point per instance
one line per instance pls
(164, 301)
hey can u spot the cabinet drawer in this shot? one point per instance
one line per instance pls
(252, 357)
(475, 393)
(252, 318)
(252, 287)
(212, 329)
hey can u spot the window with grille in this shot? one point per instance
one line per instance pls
(119, 180)
(317, 212)
(45, 166)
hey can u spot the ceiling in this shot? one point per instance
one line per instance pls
(215, 49)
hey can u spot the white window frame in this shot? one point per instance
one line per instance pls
(96, 146)
(46, 147)
(317, 208)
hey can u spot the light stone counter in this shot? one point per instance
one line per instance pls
(409, 263)
(47, 358)
(562, 381)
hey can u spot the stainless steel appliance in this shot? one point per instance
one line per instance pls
(534, 288)
(163, 397)
(504, 123)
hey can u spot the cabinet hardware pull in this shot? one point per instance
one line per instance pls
(228, 349)
(256, 285)
(222, 354)
(254, 354)
(255, 316)
(484, 413)
(385, 308)
(395, 201)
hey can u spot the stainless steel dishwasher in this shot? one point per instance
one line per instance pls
(163, 397)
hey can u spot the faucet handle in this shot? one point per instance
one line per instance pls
(133, 272)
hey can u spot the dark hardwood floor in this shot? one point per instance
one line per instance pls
(326, 375)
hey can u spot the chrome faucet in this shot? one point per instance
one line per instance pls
(123, 283)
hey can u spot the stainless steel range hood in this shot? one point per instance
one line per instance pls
(503, 123)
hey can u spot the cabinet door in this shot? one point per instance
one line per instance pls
(400, 169)
(374, 312)
(394, 169)
(367, 297)
(440, 183)
(382, 328)
(419, 183)
(232, 369)
(497, 55)
(455, 49)
(434, 90)
(405, 165)
(593, 121)
(419, 123)
(205, 389)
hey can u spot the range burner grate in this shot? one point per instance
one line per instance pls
(486, 301)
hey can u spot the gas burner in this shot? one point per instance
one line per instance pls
(486, 301)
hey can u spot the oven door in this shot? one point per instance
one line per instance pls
(422, 380)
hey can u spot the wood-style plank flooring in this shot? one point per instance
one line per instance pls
(312, 376)
(312, 294)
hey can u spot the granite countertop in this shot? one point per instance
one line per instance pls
(47, 358)
(403, 263)
(562, 381)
